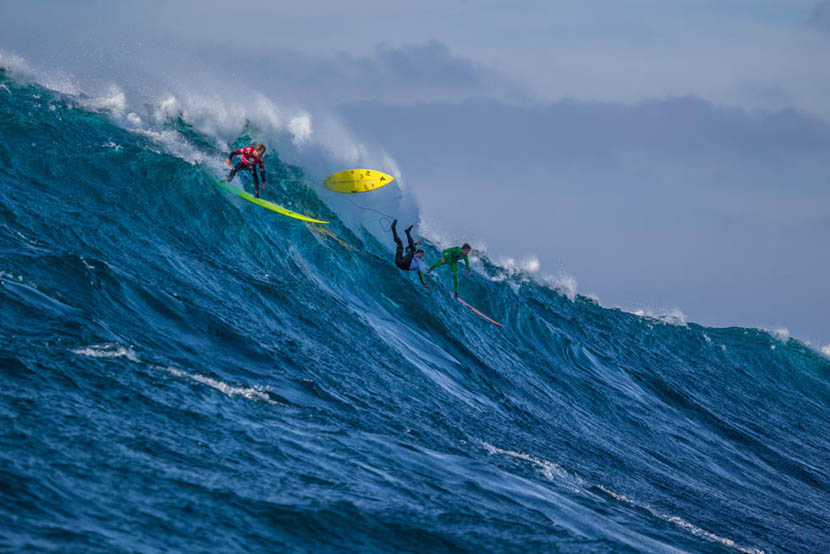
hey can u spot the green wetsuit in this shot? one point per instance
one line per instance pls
(452, 256)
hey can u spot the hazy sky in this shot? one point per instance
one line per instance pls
(666, 153)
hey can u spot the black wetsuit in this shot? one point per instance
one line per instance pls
(242, 166)
(403, 261)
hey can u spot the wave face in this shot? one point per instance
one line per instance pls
(184, 371)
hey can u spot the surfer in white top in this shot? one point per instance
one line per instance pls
(413, 260)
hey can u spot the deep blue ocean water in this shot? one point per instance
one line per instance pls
(183, 371)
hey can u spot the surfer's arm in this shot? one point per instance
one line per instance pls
(262, 173)
(421, 277)
(467, 264)
(231, 155)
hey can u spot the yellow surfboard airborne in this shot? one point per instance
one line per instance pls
(268, 205)
(357, 180)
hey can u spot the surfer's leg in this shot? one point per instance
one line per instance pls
(256, 179)
(236, 168)
(400, 260)
(399, 257)
(395, 236)
(409, 238)
(454, 268)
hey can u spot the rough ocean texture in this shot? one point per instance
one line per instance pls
(183, 371)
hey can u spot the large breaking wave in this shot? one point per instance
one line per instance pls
(184, 371)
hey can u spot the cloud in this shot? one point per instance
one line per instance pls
(731, 147)
(411, 72)
(820, 16)
(430, 63)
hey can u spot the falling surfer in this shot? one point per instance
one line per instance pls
(250, 157)
(413, 259)
(452, 256)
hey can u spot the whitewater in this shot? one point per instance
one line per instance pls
(183, 371)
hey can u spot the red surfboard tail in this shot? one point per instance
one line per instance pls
(475, 311)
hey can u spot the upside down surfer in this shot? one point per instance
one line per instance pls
(413, 260)
(250, 157)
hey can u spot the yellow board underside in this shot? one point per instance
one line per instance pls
(357, 180)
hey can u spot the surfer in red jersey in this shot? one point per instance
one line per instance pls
(250, 157)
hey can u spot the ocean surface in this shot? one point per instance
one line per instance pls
(184, 371)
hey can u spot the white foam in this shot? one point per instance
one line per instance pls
(553, 471)
(168, 109)
(224, 120)
(433, 233)
(523, 270)
(529, 264)
(10, 276)
(134, 119)
(207, 114)
(114, 146)
(251, 393)
(391, 167)
(173, 143)
(529, 268)
(113, 102)
(782, 334)
(222, 116)
(682, 523)
(826, 350)
(15, 64)
(19, 278)
(107, 350)
(330, 133)
(300, 128)
(563, 283)
(114, 350)
(53, 80)
(673, 316)
(550, 470)
(60, 82)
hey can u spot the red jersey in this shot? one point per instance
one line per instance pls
(249, 157)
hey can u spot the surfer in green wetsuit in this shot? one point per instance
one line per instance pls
(452, 256)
